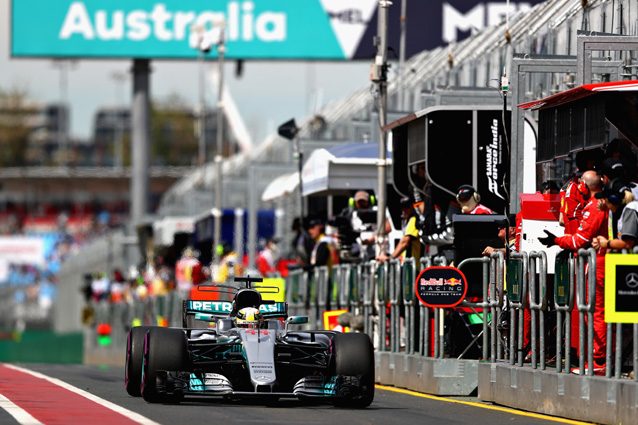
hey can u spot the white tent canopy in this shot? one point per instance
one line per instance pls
(342, 168)
(281, 186)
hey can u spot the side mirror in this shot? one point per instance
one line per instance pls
(297, 320)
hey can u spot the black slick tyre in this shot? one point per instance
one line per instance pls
(354, 365)
(164, 350)
(134, 354)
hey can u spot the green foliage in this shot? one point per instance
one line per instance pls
(173, 132)
(16, 115)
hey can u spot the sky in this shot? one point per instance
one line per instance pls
(267, 94)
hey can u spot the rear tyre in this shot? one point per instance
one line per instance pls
(354, 364)
(134, 355)
(164, 350)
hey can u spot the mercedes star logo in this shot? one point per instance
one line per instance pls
(632, 280)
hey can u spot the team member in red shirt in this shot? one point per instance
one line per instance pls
(574, 197)
(592, 225)
(469, 200)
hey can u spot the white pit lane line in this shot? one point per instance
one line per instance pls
(136, 417)
(19, 414)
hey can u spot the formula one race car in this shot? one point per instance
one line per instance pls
(243, 348)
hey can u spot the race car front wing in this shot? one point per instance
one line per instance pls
(214, 384)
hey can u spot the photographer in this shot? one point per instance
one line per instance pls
(357, 228)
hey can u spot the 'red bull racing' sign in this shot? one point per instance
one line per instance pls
(441, 287)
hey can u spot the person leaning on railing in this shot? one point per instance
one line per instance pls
(593, 225)
(410, 243)
(620, 201)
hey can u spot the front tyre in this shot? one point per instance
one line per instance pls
(134, 354)
(354, 366)
(164, 350)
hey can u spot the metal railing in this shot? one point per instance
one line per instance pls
(517, 313)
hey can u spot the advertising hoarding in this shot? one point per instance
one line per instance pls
(621, 288)
(254, 29)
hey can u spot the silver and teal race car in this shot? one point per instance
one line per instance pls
(220, 353)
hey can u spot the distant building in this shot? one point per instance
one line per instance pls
(174, 137)
(32, 133)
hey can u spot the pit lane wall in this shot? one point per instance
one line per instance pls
(425, 349)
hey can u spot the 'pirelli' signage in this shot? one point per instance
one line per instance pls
(621, 288)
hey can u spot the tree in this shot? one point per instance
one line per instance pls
(18, 118)
(173, 137)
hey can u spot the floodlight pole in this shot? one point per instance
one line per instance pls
(402, 45)
(119, 78)
(299, 154)
(380, 76)
(217, 210)
(201, 152)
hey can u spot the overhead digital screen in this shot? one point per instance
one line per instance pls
(254, 29)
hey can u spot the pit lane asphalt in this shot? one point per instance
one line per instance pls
(388, 407)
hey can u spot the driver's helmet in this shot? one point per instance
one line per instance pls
(248, 317)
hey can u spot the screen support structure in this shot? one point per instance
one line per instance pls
(140, 123)
(587, 42)
(381, 66)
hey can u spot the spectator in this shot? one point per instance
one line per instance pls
(620, 201)
(509, 240)
(359, 235)
(343, 322)
(47, 291)
(301, 243)
(324, 252)
(100, 287)
(357, 324)
(614, 169)
(229, 264)
(620, 149)
(469, 199)
(117, 287)
(268, 258)
(410, 243)
(437, 224)
(593, 224)
(184, 269)
(574, 194)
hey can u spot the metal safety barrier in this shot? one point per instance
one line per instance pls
(537, 284)
(516, 308)
(585, 302)
(517, 273)
(564, 295)
(484, 304)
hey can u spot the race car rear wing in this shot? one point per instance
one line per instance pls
(210, 310)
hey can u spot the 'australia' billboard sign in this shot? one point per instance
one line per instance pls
(253, 29)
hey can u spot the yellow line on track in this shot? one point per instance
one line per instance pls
(483, 406)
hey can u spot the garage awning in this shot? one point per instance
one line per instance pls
(578, 93)
(582, 118)
(342, 168)
(281, 186)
